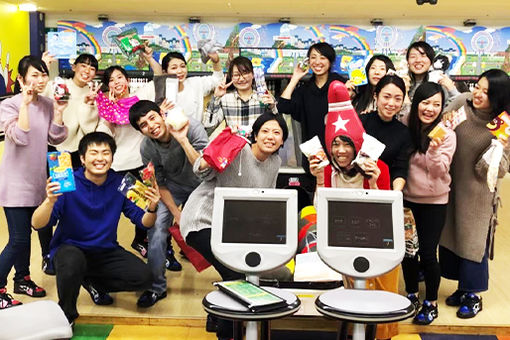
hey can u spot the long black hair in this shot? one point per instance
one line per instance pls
(417, 129)
(499, 85)
(366, 92)
(105, 79)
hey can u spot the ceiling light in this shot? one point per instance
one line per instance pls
(27, 7)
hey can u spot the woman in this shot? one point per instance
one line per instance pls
(420, 57)
(384, 126)
(376, 68)
(342, 147)
(308, 104)
(243, 105)
(30, 122)
(468, 234)
(258, 165)
(426, 194)
(191, 92)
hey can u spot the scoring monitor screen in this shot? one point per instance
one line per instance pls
(250, 221)
(360, 225)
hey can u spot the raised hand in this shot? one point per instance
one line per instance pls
(29, 94)
(90, 98)
(221, 89)
(48, 58)
(51, 187)
(152, 193)
(166, 105)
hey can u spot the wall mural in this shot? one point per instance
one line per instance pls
(277, 47)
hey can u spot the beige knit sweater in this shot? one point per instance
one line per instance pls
(470, 214)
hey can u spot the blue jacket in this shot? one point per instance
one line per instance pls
(88, 217)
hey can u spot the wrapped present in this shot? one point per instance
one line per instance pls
(223, 149)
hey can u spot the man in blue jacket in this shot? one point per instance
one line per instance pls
(84, 249)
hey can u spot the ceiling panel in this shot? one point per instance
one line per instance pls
(391, 11)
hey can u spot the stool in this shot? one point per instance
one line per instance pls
(364, 306)
(39, 320)
(223, 306)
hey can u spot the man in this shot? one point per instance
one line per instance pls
(84, 248)
(173, 154)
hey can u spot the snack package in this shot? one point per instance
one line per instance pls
(134, 190)
(148, 175)
(60, 91)
(313, 147)
(61, 170)
(304, 64)
(129, 42)
(207, 46)
(356, 69)
(370, 149)
(500, 125)
(223, 149)
(260, 81)
(176, 118)
(439, 131)
(452, 119)
(171, 88)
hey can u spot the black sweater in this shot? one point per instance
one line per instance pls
(309, 106)
(397, 139)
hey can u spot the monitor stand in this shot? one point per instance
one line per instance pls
(358, 329)
(252, 326)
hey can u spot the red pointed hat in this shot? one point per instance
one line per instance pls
(342, 118)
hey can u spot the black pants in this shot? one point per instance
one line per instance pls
(112, 270)
(430, 219)
(201, 242)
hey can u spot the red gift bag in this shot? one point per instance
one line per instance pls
(196, 259)
(223, 149)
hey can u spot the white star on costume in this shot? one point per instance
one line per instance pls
(340, 124)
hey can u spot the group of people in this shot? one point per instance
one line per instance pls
(110, 131)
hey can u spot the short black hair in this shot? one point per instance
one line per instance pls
(169, 56)
(326, 50)
(139, 110)
(265, 117)
(86, 58)
(96, 138)
(105, 79)
(390, 79)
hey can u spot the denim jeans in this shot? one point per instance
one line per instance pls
(17, 251)
(158, 236)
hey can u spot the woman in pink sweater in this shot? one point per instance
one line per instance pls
(426, 194)
(30, 122)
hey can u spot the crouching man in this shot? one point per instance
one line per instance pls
(84, 249)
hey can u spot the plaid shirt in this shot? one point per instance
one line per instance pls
(234, 110)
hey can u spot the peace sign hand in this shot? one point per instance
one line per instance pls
(221, 89)
(91, 96)
(29, 95)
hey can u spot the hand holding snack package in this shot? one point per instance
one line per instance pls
(60, 91)
(176, 118)
(370, 149)
(134, 190)
(313, 147)
(438, 132)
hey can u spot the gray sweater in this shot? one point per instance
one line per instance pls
(245, 171)
(470, 217)
(172, 167)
